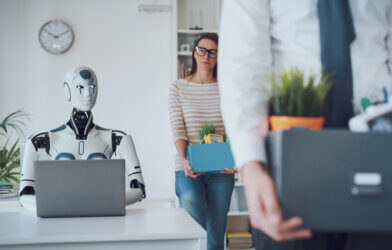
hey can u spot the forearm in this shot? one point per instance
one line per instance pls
(245, 65)
(181, 148)
(249, 168)
(135, 189)
(27, 179)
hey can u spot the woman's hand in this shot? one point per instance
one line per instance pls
(188, 169)
(230, 171)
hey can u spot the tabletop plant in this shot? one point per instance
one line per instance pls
(208, 134)
(9, 155)
(208, 128)
(292, 95)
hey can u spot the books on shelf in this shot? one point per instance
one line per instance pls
(239, 239)
(183, 70)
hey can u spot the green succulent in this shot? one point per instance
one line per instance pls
(292, 95)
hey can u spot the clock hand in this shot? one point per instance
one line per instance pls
(63, 33)
(51, 33)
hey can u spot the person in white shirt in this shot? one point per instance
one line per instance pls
(259, 38)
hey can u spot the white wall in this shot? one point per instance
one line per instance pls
(130, 52)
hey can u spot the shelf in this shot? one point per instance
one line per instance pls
(240, 248)
(195, 32)
(184, 53)
(238, 213)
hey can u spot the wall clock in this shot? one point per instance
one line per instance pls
(56, 37)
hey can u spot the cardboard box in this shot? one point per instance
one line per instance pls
(334, 179)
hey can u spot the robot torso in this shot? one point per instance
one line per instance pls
(64, 146)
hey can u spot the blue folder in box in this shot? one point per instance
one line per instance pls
(213, 157)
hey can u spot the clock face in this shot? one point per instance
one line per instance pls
(56, 37)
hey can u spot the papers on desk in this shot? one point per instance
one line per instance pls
(6, 190)
(10, 195)
(5, 187)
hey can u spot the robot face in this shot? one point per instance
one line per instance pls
(81, 88)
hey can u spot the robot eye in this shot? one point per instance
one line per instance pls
(80, 87)
(92, 86)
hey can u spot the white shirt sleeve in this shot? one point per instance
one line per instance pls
(389, 36)
(245, 63)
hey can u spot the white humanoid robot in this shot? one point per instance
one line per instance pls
(81, 139)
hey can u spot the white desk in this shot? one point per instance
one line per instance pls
(154, 228)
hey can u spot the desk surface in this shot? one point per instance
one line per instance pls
(23, 227)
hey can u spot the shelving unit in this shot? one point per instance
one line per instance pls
(239, 213)
(195, 32)
(184, 53)
(238, 217)
(188, 15)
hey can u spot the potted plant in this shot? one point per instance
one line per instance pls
(207, 134)
(206, 130)
(296, 102)
(9, 155)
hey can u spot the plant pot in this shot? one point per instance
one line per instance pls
(286, 122)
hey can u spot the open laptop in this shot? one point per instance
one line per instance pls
(77, 188)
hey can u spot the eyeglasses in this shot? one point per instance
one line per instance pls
(200, 51)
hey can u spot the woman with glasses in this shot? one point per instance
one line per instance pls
(194, 101)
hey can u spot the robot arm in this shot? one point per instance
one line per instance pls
(135, 189)
(27, 179)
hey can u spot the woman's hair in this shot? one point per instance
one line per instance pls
(211, 36)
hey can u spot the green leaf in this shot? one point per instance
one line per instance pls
(13, 178)
(5, 178)
(294, 95)
(14, 121)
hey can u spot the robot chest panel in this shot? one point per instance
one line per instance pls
(90, 149)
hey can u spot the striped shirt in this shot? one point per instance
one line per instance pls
(190, 106)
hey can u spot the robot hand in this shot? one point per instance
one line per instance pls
(136, 184)
(28, 202)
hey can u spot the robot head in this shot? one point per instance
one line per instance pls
(81, 88)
